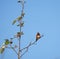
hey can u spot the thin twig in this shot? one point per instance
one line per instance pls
(13, 49)
(23, 53)
(28, 46)
(22, 6)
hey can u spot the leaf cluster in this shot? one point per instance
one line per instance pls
(18, 18)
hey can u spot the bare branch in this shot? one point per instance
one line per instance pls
(13, 49)
(28, 46)
(24, 53)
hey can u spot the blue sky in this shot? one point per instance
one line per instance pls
(40, 16)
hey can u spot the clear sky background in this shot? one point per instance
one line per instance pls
(40, 16)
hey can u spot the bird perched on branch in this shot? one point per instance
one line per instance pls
(38, 36)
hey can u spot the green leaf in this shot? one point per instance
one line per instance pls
(2, 50)
(14, 22)
(19, 18)
(7, 42)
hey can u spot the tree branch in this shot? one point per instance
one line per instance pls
(23, 53)
(28, 46)
(13, 49)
